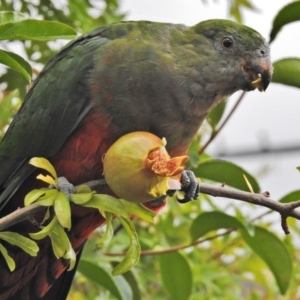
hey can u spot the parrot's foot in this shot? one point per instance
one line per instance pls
(190, 186)
(65, 186)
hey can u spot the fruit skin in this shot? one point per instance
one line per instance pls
(137, 167)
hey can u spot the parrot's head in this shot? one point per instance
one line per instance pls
(238, 55)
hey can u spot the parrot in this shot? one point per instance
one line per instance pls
(128, 76)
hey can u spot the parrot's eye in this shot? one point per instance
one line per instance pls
(227, 42)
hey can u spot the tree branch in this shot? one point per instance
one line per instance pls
(284, 209)
(175, 248)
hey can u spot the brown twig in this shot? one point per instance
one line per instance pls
(216, 132)
(175, 248)
(284, 224)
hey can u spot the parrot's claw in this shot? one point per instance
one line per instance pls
(190, 187)
(65, 186)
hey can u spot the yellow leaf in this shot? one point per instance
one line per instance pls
(47, 179)
(43, 163)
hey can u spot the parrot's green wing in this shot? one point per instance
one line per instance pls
(51, 110)
(57, 102)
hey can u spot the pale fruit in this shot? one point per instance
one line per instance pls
(138, 168)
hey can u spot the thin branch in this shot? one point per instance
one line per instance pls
(215, 133)
(20, 215)
(175, 248)
(285, 209)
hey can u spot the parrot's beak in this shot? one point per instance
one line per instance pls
(263, 70)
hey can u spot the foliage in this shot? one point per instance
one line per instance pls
(221, 256)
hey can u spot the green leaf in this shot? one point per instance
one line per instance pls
(71, 255)
(82, 195)
(81, 198)
(124, 287)
(209, 221)
(83, 189)
(48, 198)
(226, 172)
(7, 107)
(109, 232)
(263, 243)
(107, 203)
(20, 241)
(34, 195)
(287, 71)
(62, 210)
(59, 241)
(138, 210)
(291, 197)
(99, 276)
(216, 113)
(176, 275)
(289, 13)
(9, 261)
(17, 63)
(274, 254)
(45, 231)
(43, 163)
(133, 253)
(133, 283)
(10, 17)
(39, 30)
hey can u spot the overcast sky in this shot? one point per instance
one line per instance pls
(264, 119)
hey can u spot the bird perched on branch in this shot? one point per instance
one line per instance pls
(120, 78)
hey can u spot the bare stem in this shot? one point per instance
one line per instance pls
(215, 133)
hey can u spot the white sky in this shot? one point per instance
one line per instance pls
(271, 118)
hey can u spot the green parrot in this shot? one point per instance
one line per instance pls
(120, 78)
